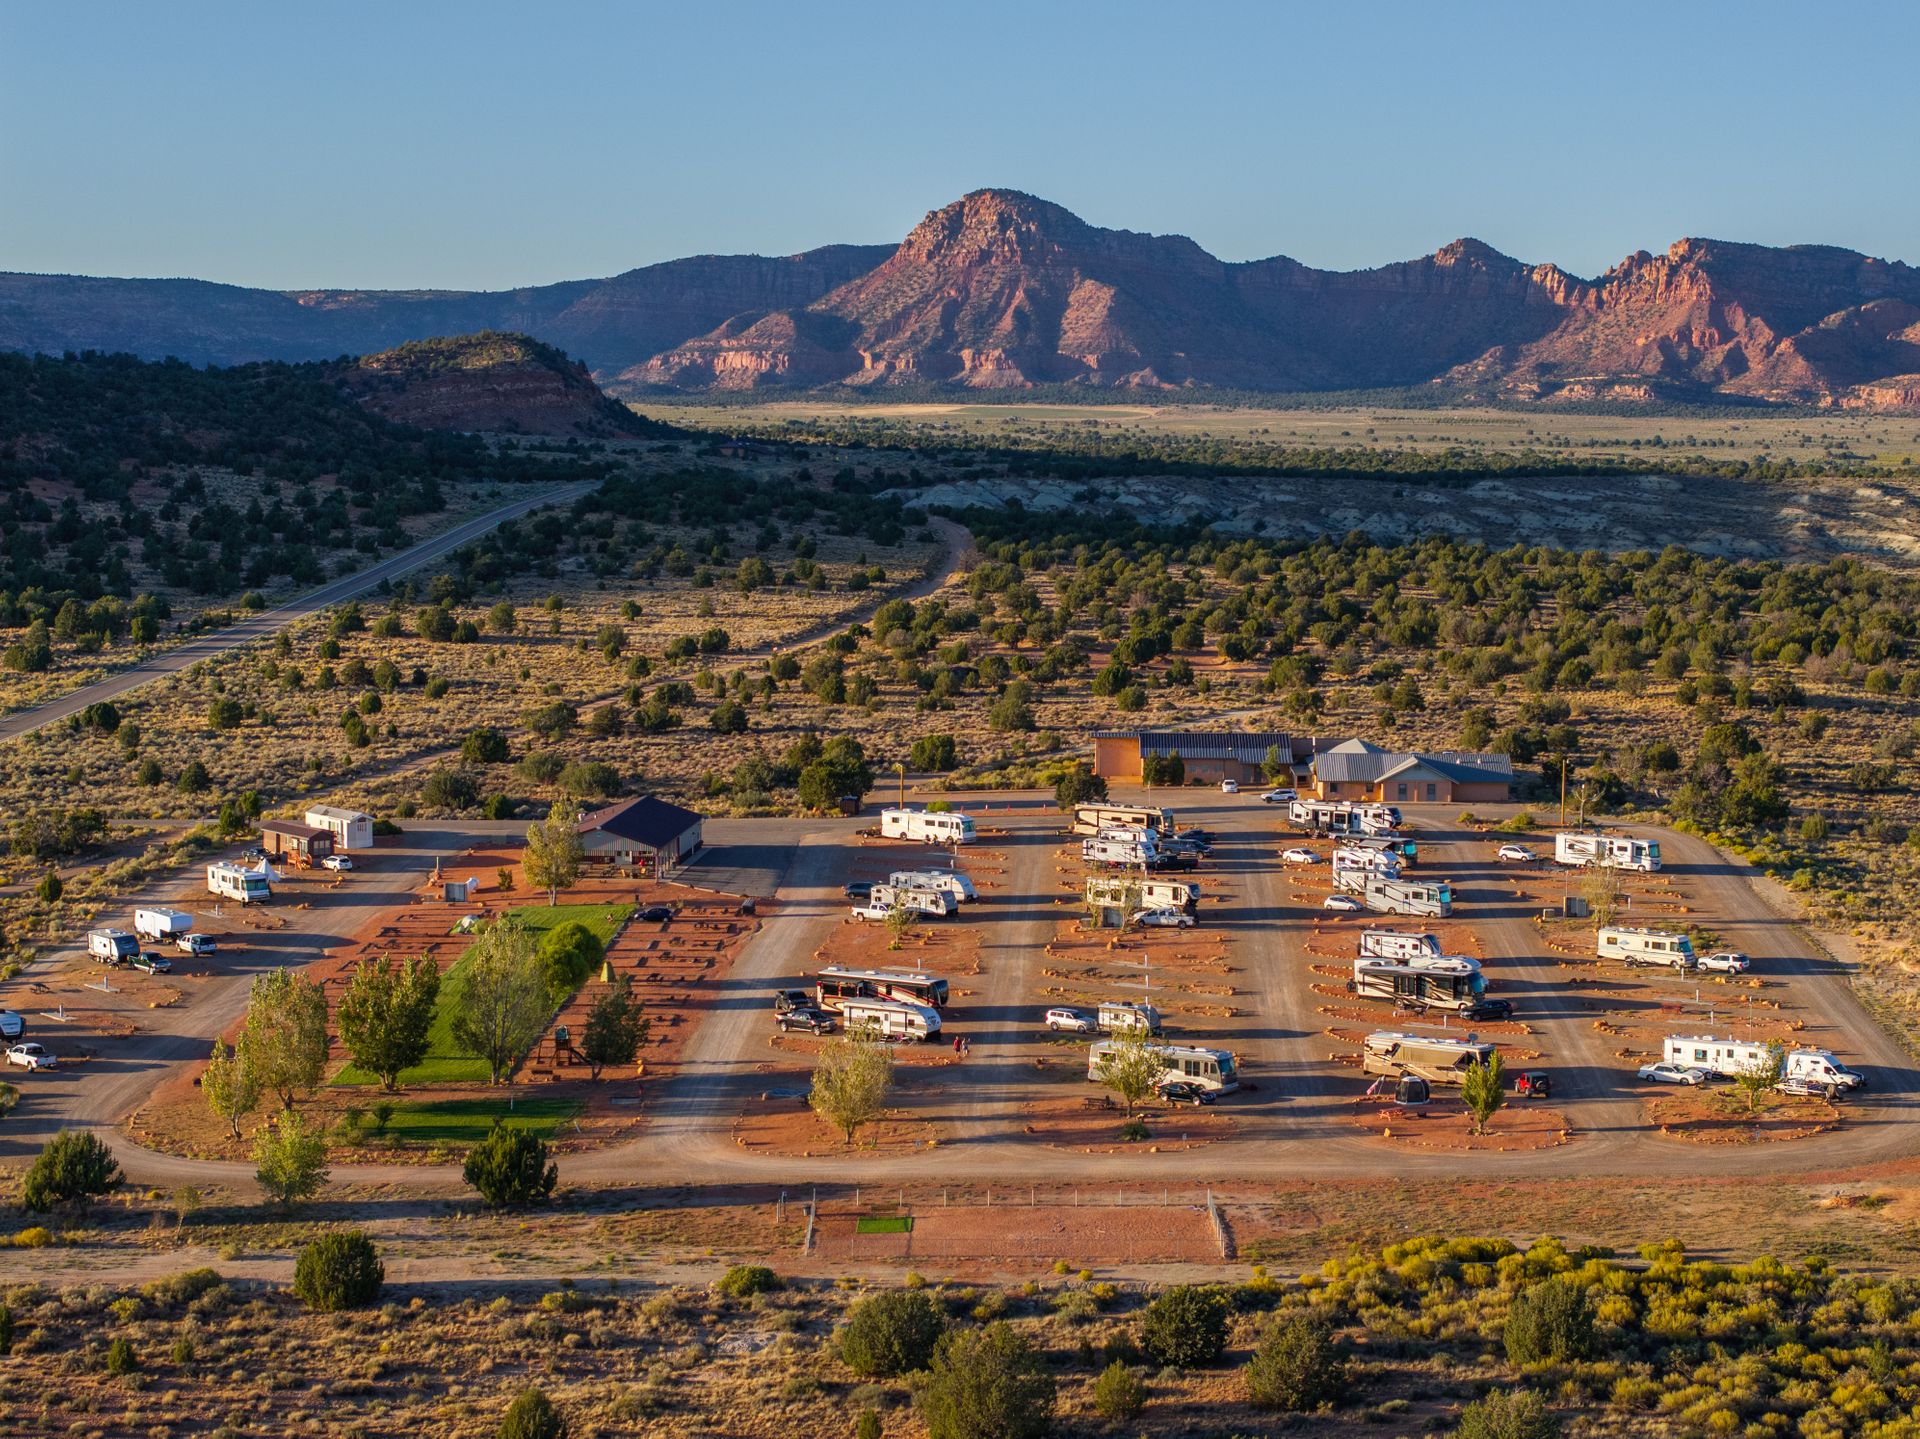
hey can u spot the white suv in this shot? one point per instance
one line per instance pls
(1073, 1021)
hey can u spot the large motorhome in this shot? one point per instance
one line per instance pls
(836, 984)
(1092, 818)
(1208, 1068)
(1356, 856)
(1608, 851)
(1397, 944)
(230, 881)
(1118, 848)
(1406, 896)
(1130, 894)
(1730, 1058)
(1324, 816)
(1116, 1016)
(1646, 947)
(920, 898)
(952, 881)
(1438, 1061)
(891, 1018)
(1450, 982)
(927, 826)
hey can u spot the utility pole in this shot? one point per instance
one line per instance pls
(900, 768)
(1563, 791)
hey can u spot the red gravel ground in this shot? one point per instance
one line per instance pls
(1124, 1234)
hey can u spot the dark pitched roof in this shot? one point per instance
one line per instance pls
(1247, 747)
(293, 829)
(645, 820)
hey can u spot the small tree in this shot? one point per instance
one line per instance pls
(230, 1085)
(1483, 1087)
(290, 1160)
(510, 1168)
(616, 1028)
(386, 1013)
(339, 1271)
(554, 853)
(1078, 787)
(988, 1384)
(503, 1002)
(852, 1080)
(1297, 1367)
(533, 1416)
(569, 953)
(1600, 888)
(1508, 1414)
(1166, 769)
(934, 753)
(1551, 1320)
(900, 921)
(1762, 1073)
(1131, 1067)
(285, 1038)
(1119, 1394)
(891, 1333)
(75, 1166)
(1277, 765)
(1186, 1326)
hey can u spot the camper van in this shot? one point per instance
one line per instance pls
(920, 898)
(1115, 848)
(1118, 1015)
(1646, 946)
(1092, 818)
(835, 985)
(112, 946)
(1323, 816)
(952, 881)
(1450, 982)
(1607, 851)
(230, 881)
(1730, 1057)
(891, 1018)
(928, 827)
(1119, 892)
(1438, 1061)
(1403, 896)
(1212, 1069)
(1397, 944)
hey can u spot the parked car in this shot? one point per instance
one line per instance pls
(30, 1056)
(1072, 1021)
(1175, 859)
(656, 914)
(1165, 918)
(12, 1024)
(865, 912)
(788, 999)
(153, 962)
(1185, 1091)
(338, 863)
(1280, 796)
(1299, 854)
(1489, 1009)
(1229, 786)
(858, 889)
(1533, 1083)
(1199, 835)
(1344, 903)
(191, 943)
(1726, 961)
(812, 1021)
(1516, 854)
(1666, 1072)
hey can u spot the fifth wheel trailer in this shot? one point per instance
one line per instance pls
(1092, 818)
(1209, 1068)
(1608, 851)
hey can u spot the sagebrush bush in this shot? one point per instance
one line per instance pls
(893, 1332)
(1551, 1320)
(533, 1416)
(339, 1271)
(510, 1168)
(1119, 1394)
(743, 1281)
(1509, 1414)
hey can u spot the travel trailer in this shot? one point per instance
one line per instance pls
(1450, 982)
(1208, 1068)
(1607, 851)
(835, 985)
(1728, 1058)
(1113, 847)
(230, 881)
(1322, 816)
(1116, 1015)
(1397, 944)
(158, 923)
(1124, 892)
(1376, 819)
(1402, 896)
(952, 881)
(1438, 1061)
(926, 826)
(1092, 818)
(1645, 947)
(112, 946)
(920, 898)
(1402, 848)
(891, 1018)
(1354, 856)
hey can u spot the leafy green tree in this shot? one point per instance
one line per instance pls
(231, 1085)
(616, 1028)
(569, 953)
(503, 1000)
(1077, 787)
(891, 1333)
(533, 1416)
(510, 1168)
(341, 1270)
(285, 1037)
(1186, 1326)
(1131, 1067)
(1761, 1074)
(386, 1013)
(1163, 769)
(1551, 1320)
(554, 853)
(987, 1384)
(852, 1081)
(1298, 1366)
(73, 1167)
(290, 1160)
(1483, 1087)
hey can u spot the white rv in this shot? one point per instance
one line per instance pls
(1324, 816)
(952, 881)
(920, 898)
(1117, 1015)
(890, 1018)
(1438, 1061)
(1113, 848)
(1645, 947)
(1397, 944)
(112, 946)
(159, 923)
(1092, 818)
(1405, 896)
(1380, 861)
(1730, 1057)
(1450, 982)
(349, 827)
(836, 984)
(1607, 851)
(1208, 1068)
(927, 826)
(230, 881)
(1377, 819)
(1120, 892)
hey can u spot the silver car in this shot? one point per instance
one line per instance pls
(1666, 1072)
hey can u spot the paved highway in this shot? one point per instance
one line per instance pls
(270, 622)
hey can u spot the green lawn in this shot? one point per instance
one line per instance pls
(466, 1121)
(883, 1224)
(446, 1062)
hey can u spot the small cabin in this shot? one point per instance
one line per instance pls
(289, 839)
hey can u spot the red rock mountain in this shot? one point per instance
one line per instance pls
(1000, 290)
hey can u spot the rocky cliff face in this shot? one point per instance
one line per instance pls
(1001, 290)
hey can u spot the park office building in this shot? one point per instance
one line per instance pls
(646, 835)
(1208, 755)
(1356, 770)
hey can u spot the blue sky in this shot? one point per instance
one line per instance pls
(481, 145)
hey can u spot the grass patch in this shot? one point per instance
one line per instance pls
(466, 1121)
(446, 1061)
(883, 1224)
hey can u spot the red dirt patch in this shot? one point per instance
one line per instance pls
(1700, 1115)
(1043, 1233)
(1447, 1125)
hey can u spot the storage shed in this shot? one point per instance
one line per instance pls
(350, 828)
